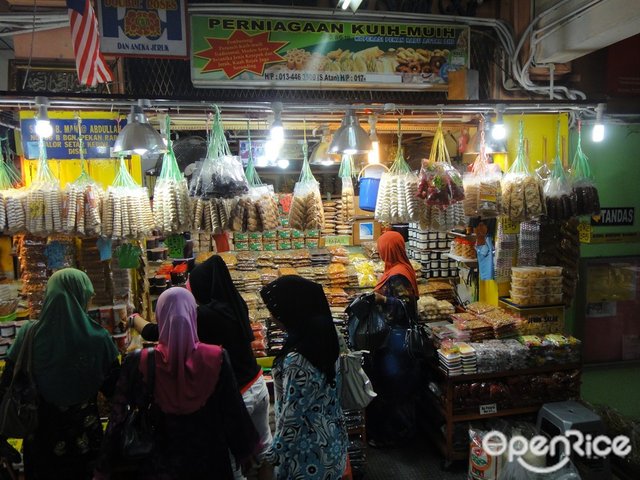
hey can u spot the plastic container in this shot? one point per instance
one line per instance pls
(7, 330)
(9, 318)
(369, 186)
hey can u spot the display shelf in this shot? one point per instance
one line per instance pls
(444, 404)
(467, 261)
(507, 373)
(465, 236)
(511, 303)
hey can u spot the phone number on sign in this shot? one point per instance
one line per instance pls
(315, 77)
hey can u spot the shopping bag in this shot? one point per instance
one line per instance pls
(357, 390)
(138, 431)
(367, 326)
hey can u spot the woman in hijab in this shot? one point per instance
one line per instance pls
(394, 375)
(73, 358)
(199, 413)
(223, 319)
(310, 440)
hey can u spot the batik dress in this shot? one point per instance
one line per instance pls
(310, 441)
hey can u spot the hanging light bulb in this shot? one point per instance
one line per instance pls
(597, 134)
(283, 163)
(350, 138)
(276, 134)
(499, 132)
(43, 125)
(374, 153)
(138, 136)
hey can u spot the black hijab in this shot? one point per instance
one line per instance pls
(302, 307)
(211, 285)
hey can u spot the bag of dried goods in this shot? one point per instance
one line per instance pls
(346, 173)
(521, 191)
(482, 190)
(398, 200)
(306, 212)
(440, 183)
(126, 209)
(559, 198)
(11, 210)
(220, 175)
(171, 203)
(44, 199)
(584, 187)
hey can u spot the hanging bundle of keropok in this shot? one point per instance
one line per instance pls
(44, 200)
(82, 207)
(440, 183)
(482, 189)
(398, 200)
(522, 197)
(171, 203)
(559, 198)
(584, 186)
(218, 184)
(307, 212)
(347, 205)
(12, 215)
(126, 209)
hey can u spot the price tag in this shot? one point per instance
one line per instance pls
(488, 409)
(510, 227)
(337, 240)
(584, 232)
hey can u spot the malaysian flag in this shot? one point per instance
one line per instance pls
(91, 65)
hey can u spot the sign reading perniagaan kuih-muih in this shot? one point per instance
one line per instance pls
(293, 53)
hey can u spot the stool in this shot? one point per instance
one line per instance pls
(558, 417)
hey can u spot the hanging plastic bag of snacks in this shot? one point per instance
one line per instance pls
(82, 200)
(126, 210)
(44, 200)
(398, 200)
(306, 212)
(584, 187)
(171, 203)
(220, 175)
(440, 184)
(560, 200)
(482, 191)
(346, 173)
(521, 190)
(12, 215)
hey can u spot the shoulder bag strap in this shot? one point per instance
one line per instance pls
(25, 351)
(151, 373)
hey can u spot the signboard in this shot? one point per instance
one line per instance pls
(153, 28)
(489, 409)
(610, 217)
(292, 53)
(99, 133)
(337, 240)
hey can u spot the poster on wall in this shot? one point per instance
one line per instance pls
(99, 133)
(292, 53)
(152, 28)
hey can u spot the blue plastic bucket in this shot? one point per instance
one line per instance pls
(369, 193)
(369, 186)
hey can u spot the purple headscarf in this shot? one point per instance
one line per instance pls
(187, 371)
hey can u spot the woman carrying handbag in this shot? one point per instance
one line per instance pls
(192, 410)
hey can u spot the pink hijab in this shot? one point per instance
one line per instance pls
(187, 371)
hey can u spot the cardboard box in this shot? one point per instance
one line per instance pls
(366, 230)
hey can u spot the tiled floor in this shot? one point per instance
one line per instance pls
(419, 461)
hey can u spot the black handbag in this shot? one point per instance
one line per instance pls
(367, 326)
(417, 343)
(19, 406)
(138, 431)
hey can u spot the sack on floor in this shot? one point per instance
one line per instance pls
(357, 390)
